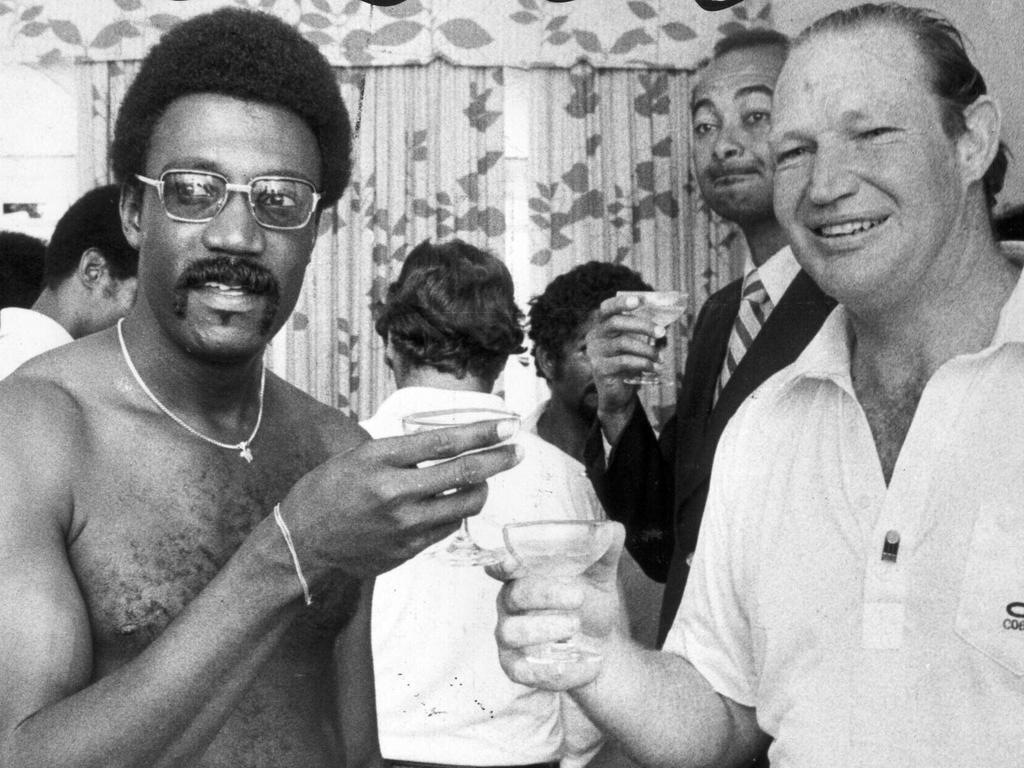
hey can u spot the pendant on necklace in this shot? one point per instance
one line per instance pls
(245, 453)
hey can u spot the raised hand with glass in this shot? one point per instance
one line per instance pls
(662, 308)
(559, 549)
(461, 549)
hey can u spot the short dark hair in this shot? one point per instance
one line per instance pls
(756, 37)
(92, 221)
(246, 54)
(954, 79)
(452, 308)
(21, 269)
(1009, 225)
(556, 314)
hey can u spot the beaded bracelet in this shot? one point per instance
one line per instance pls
(295, 556)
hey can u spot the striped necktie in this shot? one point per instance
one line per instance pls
(754, 309)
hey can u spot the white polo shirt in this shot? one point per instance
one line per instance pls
(442, 697)
(25, 333)
(851, 659)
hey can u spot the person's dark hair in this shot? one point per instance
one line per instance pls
(21, 269)
(452, 308)
(954, 79)
(556, 314)
(248, 55)
(1009, 225)
(744, 39)
(92, 221)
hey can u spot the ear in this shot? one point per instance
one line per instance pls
(131, 213)
(545, 362)
(978, 144)
(92, 270)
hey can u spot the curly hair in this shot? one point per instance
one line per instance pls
(556, 314)
(452, 308)
(954, 79)
(246, 54)
(21, 269)
(92, 221)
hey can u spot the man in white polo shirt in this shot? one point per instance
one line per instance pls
(450, 323)
(89, 276)
(857, 588)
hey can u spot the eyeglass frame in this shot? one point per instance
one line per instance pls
(229, 187)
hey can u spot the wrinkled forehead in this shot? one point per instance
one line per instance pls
(737, 72)
(871, 69)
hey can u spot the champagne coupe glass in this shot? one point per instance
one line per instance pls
(661, 308)
(461, 550)
(559, 549)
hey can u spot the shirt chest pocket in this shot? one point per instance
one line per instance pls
(990, 615)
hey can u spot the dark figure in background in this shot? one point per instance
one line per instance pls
(743, 334)
(187, 542)
(559, 320)
(89, 281)
(21, 269)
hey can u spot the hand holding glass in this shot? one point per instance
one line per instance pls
(461, 550)
(559, 549)
(661, 308)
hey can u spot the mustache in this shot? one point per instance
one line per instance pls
(718, 170)
(229, 270)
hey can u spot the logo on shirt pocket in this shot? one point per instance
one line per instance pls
(985, 618)
(1016, 613)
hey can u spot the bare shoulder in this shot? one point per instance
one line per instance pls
(41, 429)
(308, 421)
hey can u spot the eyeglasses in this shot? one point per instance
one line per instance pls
(276, 202)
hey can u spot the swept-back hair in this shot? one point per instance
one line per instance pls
(954, 79)
(452, 308)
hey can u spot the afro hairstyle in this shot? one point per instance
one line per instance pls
(246, 54)
(568, 301)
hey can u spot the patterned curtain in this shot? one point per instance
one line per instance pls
(426, 165)
(611, 180)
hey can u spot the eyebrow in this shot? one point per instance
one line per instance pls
(189, 163)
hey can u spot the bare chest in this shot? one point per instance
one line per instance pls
(156, 520)
(889, 415)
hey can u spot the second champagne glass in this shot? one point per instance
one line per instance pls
(461, 549)
(661, 308)
(560, 549)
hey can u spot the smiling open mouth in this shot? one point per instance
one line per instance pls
(848, 227)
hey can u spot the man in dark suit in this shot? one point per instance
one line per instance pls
(743, 334)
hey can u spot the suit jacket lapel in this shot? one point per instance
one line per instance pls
(791, 325)
(695, 405)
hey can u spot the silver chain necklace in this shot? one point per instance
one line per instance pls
(242, 447)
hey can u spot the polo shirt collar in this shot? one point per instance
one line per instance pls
(829, 354)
